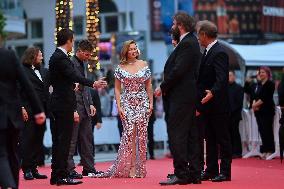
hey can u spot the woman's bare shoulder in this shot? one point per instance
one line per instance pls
(143, 63)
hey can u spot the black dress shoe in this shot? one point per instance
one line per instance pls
(152, 158)
(93, 172)
(53, 181)
(194, 181)
(67, 181)
(236, 156)
(75, 175)
(38, 176)
(174, 180)
(221, 178)
(206, 176)
(28, 175)
(170, 175)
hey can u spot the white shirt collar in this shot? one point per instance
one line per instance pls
(37, 72)
(210, 45)
(63, 50)
(182, 36)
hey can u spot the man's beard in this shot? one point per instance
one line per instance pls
(175, 34)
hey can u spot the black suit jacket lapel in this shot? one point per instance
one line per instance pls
(62, 53)
(172, 55)
(183, 39)
(76, 63)
(35, 75)
(169, 60)
(43, 73)
(209, 53)
(65, 56)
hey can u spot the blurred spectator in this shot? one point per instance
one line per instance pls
(236, 96)
(281, 91)
(264, 109)
(159, 110)
(105, 102)
(114, 113)
(252, 84)
(281, 96)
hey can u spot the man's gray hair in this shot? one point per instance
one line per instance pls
(208, 27)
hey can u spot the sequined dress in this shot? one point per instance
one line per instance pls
(135, 103)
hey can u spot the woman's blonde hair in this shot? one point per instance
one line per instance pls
(125, 49)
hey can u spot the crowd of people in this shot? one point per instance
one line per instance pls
(198, 97)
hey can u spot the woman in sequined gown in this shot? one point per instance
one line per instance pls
(133, 93)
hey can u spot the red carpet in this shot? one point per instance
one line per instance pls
(246, 174)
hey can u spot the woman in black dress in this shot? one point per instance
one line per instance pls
(264, 109)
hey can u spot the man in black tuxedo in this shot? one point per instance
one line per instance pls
(214, 103)
(63, 105)
(32, 135)
(11, 120)
(179, 94)
(236, 97)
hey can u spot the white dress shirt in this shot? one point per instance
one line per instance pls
(210, 46)
(37, 73)
(62, 49)
(182, 36)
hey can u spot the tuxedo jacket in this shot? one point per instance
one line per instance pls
(62, 78)
(83, 95)
(214, 76)
(41, 87)
(181, 72)
(11, 74)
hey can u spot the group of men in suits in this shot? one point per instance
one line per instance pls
(196, 85)
(69, 107)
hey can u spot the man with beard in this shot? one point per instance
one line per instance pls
(179, 94)
(32, 135)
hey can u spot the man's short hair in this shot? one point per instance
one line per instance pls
(63, 36)
(188, 22)
(209, 28)
(232, 71)
(85, 45)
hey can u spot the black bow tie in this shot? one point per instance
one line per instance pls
(69, 55)
(36, 68)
